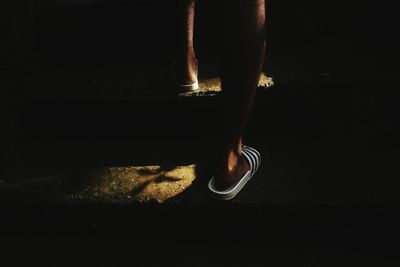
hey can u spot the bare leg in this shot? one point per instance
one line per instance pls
(185, 69)
(243, 54)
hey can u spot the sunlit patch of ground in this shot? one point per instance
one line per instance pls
(210, 85)
(215, 83)
(136, 184)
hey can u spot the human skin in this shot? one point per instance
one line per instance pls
(243, 52)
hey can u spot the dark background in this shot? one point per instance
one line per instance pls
(352, 41)
(335, 68)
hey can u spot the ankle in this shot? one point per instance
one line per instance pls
(230, 170)
(230, 160)
(185, 69)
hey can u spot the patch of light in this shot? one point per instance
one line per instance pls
(137, 183)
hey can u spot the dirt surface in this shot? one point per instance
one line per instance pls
(113, 184)
(127, 184)
(101, 169)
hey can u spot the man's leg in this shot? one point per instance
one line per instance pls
(185, 68)
(243, 54)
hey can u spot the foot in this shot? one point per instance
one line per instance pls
(231, 172)
(185, 71)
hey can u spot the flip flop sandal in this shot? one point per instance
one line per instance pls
(186, 87)
(253, 158)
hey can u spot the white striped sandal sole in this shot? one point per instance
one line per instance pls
(187, 87)
(253, 158)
